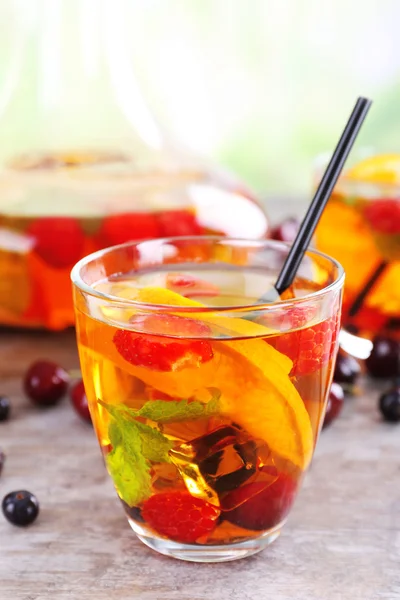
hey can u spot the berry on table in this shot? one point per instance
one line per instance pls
(180, 516)
(384, 360)
(389, 405)
(334, 405)
(20, 508)
(79, 401)
(347, 369)
(4, 408)
(45, 382)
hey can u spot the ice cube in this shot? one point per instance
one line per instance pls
(220, 461)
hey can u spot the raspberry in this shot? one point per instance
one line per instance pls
(162, 353)
(384, 215)
(59, 241)
(179, 516)
(293, 318)
(178, 223)
(189, 286)
(117, 229)
(181, 281)
(309, 348)
(259, 507)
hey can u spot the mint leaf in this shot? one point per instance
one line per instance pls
(155, 446)
(135, 444)
(171, 411)
(126, 463)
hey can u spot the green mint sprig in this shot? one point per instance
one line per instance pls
(135, 444)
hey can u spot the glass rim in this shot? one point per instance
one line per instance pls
(78, 282)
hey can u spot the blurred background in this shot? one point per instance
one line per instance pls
(261, 87)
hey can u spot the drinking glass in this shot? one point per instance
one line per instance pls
(207, 405)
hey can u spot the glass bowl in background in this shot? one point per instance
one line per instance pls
(85, 162)
(58, 207)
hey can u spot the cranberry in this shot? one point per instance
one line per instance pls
(347, 369)
(45, 382)
(80, 402)
(286, 231)
(4, 408)
(389, 405)
(334, 404)
(384, 360)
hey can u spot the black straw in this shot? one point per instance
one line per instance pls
(328, 181)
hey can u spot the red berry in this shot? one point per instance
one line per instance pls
(162, 353)
(80, 402)
(179, 516)
(45, 382)
(189, 286)
(117, 229)
(59, 241)
(384, 215)
(309, 348)
(334, 405)
(259, 507)
(285, 231)
(178, 223)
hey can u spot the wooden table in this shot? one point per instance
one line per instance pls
(341, 542)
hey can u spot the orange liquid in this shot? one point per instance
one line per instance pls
(260, 402)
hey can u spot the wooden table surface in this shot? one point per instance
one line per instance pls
(341, 542)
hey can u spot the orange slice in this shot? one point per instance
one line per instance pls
(252, 376)
(382, 168)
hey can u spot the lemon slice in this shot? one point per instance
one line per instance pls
(253, 378)
(382, 168)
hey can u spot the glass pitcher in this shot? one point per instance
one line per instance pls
(84, 164)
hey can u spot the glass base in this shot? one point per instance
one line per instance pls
(210, 554)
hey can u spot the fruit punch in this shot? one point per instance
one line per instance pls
(207, 414)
